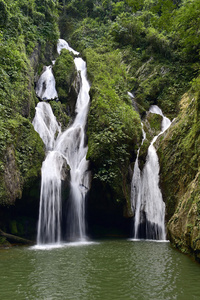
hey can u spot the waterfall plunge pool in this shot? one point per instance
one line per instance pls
(106, 270)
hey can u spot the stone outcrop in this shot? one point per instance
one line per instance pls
(179, 154)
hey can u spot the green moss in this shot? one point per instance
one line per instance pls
(152, 125)
(114, 128)
(65, 72)
(60, 113)
(179, 154)
(155, 122)
(22, 153)
(29, 151)
(143, 153)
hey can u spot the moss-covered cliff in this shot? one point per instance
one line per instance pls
(22, 153)
(114, 129)
(66, 80)
(179, 153)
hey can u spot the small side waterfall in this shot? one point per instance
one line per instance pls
(46, 85)
(62, 149)
(146, 197)
(62, 44)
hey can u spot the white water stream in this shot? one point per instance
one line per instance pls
(146, 197)
(46, 85)
(67, 148)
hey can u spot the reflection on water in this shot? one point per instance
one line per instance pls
(107, 270)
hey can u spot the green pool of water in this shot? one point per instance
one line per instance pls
(106, 270)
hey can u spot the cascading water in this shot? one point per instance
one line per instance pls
(46, 85)
(72, 144)
(67, 148)
(146, 197)
(62, 44)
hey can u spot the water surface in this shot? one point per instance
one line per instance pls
(106, 270)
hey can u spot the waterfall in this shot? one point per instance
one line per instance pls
(72, 144)
(146, 196)
(62, 149)
(62, 44)
(46, 85)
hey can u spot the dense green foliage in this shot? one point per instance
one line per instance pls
(159, 42)
(114, 128)
(33, 20)
(28, 23)
(60, 112)
(65, 73)
(22, 153)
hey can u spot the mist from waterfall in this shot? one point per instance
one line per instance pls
(64, 150)
(146, 197)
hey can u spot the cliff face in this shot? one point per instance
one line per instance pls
(114, 130)
(179, 153)
(21, 160)
(21, 148)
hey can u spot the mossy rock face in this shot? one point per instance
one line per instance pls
(143, 154)
(184, 225)
(60, 112)
(65, 74)
(11, 179)
(114, 128)
(179, 154)
(156, 80)
(22, 153)
(21, 149)
(152, 125)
